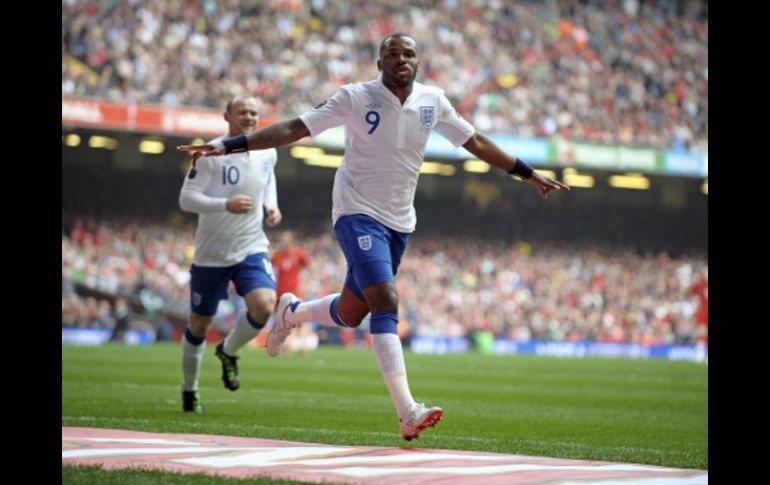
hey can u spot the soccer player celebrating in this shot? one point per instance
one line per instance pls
(388, 121)
(228, 194)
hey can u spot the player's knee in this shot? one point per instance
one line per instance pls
(351, 309)
(262, 310)
(353, 319)
(354, 322)
(261, 305)
(199, 324)
(384, 299)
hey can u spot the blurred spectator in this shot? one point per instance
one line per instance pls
(449, 287)
(122, 317)
(613, 72)
(701, 291)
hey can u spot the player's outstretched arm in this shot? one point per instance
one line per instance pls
(273, 136)
(485, 149)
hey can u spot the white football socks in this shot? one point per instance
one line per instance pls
(240, 335)
(390, 358)
(192, 355)
(318, 311)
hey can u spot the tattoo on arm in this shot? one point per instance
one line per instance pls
(278, 134)
(298, 128)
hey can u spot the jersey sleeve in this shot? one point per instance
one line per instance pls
(192, 198)
(333, 112)
(451, 125)
(270, 197)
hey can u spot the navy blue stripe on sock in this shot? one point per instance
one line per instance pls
(253, 322)
(333, 312)
(192, 338)
(384, 322)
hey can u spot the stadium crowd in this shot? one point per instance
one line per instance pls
(449, 287)
(630, 72)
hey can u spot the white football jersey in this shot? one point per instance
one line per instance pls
(223, 238)
(384, 146)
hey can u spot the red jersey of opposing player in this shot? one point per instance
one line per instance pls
(701, 290)
(288, 262)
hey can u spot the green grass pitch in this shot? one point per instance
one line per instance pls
(637, 411)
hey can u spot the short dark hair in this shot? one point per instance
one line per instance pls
(387, 39)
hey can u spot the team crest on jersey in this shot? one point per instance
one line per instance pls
(365, 242)
(427, 115)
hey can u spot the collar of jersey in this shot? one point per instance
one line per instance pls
(393, 97)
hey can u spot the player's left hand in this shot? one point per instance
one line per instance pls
(273, 216)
